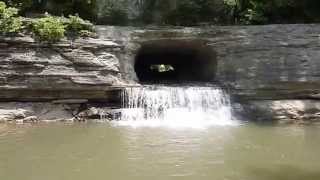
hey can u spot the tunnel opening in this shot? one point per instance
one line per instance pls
(175, 61)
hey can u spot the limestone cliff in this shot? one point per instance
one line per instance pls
(272, 72)
(58, 81)
(37, 72)
(263, 67)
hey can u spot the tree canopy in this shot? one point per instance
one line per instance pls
(178, 12)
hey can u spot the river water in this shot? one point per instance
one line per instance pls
(185, 133)
(106, 151)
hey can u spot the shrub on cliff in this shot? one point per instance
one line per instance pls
(49, 29)
(22, 5)
(52, 29)
(85, 8)
(77, 27)
(10, 22)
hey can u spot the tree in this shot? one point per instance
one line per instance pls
(23, 6)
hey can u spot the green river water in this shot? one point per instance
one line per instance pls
(94, 151)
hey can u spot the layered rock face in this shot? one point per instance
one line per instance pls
(272, 71)
(42, 82)
(35, 72)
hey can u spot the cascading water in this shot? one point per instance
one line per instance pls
(175, 106)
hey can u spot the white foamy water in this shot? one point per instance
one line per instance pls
(194, 107)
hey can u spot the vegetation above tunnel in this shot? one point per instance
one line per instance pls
(197, 12)
(177, 12)
(44, 29)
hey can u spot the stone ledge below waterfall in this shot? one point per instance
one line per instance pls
(281, 111)
(67, 110)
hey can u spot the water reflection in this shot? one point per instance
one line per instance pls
(101, 151)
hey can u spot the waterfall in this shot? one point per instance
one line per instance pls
(175, 106)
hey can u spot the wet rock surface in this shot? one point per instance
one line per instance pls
(21, 112)
(284, 111)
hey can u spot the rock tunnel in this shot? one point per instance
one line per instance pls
(175, 61)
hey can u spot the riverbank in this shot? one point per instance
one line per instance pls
(271, 72)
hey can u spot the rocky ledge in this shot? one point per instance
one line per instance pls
(271, 72)
(58, 81)
(31, 71)
(22, 112)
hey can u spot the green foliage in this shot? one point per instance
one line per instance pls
(161, 12)
(85, 8)
(186, 14)
(194, 12)
(231, 3)
(147, 9)
(114, 13)
(22, 5)
(154, 11)
(76, 27)
(255, 14)
(49, 29)
(10, 23)
(52, 29)
(273, 11)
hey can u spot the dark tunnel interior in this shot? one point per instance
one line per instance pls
(175, 61)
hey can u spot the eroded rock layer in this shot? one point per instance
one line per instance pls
(36, 72)
(41, 82)
(272, 72)
(261, 66)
